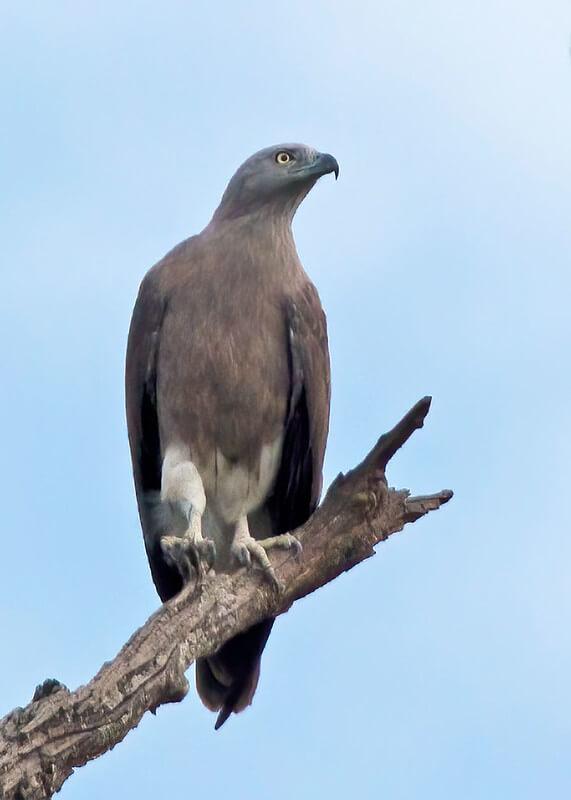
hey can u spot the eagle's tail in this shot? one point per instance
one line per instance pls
(226, 681)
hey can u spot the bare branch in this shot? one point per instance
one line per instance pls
(392, 441)
(42, 744)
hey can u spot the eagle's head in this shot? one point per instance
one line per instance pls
(274, 181)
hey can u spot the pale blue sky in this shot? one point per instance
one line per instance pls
(439, 669)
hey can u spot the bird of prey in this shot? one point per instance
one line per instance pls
(227, 395)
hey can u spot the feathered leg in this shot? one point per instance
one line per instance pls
(181, 488)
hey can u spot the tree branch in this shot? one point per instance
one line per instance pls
(40, 745)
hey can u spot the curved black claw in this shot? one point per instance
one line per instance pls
(207, 553)
(190, 557)
(249, 551)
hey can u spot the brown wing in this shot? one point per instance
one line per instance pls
(143, 426)
(299, 481)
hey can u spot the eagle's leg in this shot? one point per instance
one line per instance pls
(182, 491)
(248, 550)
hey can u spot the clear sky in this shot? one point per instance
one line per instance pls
(440, 668)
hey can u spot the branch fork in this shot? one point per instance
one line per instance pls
(60, 730)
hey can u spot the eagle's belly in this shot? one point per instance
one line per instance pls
(236, 488)
(224, 396)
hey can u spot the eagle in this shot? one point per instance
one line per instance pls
(227, 399)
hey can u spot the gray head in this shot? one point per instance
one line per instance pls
(274, 181)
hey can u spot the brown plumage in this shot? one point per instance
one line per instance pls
(227, 390)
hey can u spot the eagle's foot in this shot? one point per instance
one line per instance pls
(249, 551)
(285, 541)
(191, 554)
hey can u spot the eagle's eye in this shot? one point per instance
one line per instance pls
(283, 157)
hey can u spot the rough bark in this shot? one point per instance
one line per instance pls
(41, 744)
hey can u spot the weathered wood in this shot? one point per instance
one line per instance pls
(42, 744)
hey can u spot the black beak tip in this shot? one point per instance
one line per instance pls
(331, 164)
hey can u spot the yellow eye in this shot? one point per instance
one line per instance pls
(283, 157)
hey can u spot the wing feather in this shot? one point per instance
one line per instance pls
(143, 426)
(297, 488)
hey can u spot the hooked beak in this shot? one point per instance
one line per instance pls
(323, 164)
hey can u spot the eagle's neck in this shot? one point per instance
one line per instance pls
(263, 231)
(276, 209)
(257, 247)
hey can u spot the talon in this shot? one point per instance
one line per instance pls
(176, 556)
(207, 550)
(275, 581)
(211, 553)
(189, 556)
(243, 556)
(295, 545)
(248, 550)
